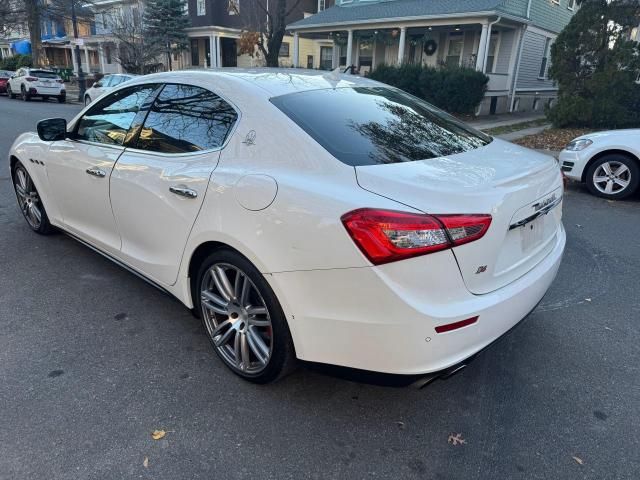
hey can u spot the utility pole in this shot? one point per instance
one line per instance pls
(81, 81)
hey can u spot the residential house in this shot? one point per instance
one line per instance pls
(218, 24)
(509, 40)
(57, 40)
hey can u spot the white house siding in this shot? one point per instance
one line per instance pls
(532, 52)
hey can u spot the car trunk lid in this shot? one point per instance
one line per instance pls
(520, 188)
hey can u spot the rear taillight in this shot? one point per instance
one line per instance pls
(31, 79)
(386, 235)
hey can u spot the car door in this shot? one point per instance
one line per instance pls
(159, 183)
(16, 81)
(79, 168)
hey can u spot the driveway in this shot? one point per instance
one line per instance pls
(93, 360)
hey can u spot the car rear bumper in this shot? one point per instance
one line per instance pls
(49, 91)
(383, 318)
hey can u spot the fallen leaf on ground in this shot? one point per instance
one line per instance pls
(145, 462)
(610, 329)
(588, 299)
(551, 139)
(578, 460)
(456, 439)
(401, 425)
(158, 434)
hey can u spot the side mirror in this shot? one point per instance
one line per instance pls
(52, 129)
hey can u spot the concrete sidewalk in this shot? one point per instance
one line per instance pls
(504, 119)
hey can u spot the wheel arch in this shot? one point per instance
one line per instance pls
(12, 162)
(604, 153)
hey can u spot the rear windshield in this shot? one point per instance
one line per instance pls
(43, 74)
(377, 125)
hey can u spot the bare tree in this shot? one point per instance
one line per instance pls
(136, 52)
(268, 18)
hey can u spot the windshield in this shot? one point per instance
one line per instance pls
(377, 125)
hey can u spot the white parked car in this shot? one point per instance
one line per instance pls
(607, 162)
(106, 83)
(36, 82)
(325, 217)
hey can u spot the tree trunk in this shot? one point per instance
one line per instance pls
(35, 33)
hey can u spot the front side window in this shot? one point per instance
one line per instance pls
(234, 7)
(184, 119)
(377, 125)
(109, 121)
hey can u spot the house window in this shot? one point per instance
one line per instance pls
(309, 61)
(454, 54)
(284, 50)
(233, 7)
(544, 65)
(492, 53)
(321, 5)
(326, 58)
(202, 9)
(571, 4)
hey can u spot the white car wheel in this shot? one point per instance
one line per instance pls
(613, 176)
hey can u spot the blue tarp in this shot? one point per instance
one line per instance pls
(21, 46)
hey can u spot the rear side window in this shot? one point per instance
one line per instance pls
(185, 118)
(109, 121)
(377, 125)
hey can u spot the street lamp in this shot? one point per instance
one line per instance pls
(81, 81)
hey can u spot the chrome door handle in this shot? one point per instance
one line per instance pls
(183, 191)
(96, 172)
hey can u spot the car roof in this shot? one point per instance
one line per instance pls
(268, 82)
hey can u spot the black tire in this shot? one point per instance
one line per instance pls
(43, 227)
(282, 360)
(62, 98)
(25, 96)
(87, 100)
(631, 176)
(9, 92)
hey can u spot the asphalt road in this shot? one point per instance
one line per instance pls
(92, 360)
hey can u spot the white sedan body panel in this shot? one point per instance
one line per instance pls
(277, 197)
(574, 164)
(83, 198)
(154, 223)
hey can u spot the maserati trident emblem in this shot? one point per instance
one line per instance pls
(481, 269)
(250, 139)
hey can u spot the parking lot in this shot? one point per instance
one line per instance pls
(93, 360)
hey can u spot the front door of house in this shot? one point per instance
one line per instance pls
(229, 52)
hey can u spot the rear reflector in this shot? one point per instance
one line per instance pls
(455, 325)
(385, 236)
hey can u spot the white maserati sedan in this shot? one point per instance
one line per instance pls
(303, 215)
(607, 162)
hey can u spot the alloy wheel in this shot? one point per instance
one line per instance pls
(236, 318)
(611, 177)
(28, 198)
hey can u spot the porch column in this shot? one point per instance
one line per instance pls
(101, 55)
(482, 48)
(213, 56)
(86, 59)
(335, 56)
(296, 50)
(349, 47)
(218, 52)
(403, 40)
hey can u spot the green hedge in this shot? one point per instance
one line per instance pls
(456, 90)
(15, 62)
